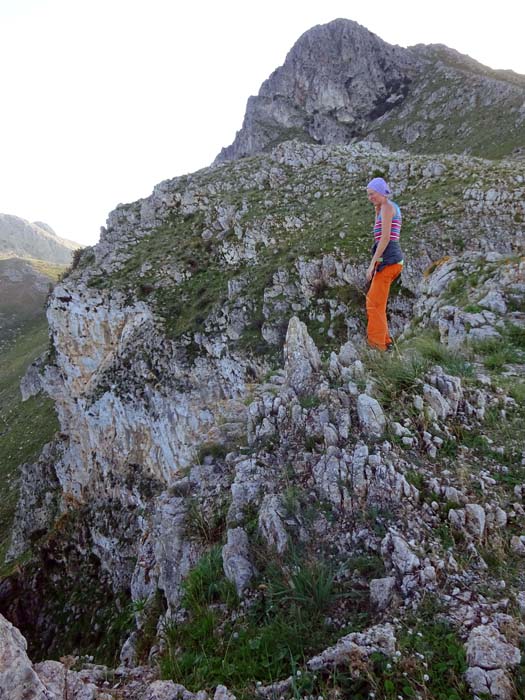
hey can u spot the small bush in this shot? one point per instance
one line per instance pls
(309, 401)
(215, 450)
(209, 529)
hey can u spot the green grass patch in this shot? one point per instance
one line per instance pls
(51, 270)
(25, 427)
(430, 348)
(284, 623)
(395, 374)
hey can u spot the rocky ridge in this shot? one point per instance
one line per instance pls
(21, 239)
(341, 83)
(222, 423)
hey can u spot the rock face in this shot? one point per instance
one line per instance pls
(335, 79)
(19, 238)
(340, 82)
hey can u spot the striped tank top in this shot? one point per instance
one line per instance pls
(392, 253)
(395, 229)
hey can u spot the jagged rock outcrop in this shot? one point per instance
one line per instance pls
(18, 680)
(301, 357)
(341, 82)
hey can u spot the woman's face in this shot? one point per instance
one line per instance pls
(375, 197)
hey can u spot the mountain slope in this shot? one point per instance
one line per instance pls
(24, 287)
(230, 451)
(24, 427)
(20, 238)
(340, 82)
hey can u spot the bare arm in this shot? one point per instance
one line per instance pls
(386, 225)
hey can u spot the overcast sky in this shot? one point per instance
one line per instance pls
(102, 99)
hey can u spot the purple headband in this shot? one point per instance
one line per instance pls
(379, 185)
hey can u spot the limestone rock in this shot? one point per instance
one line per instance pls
(301, 357)
(326, 79)
(271, 523)
(475, 519)
(371, 416)
(400, 553)
(497, 683)
(236, 561)
(381, 592)
(38, 501)
(380, 639)
(168, 690)
(62, 683)
(18, 680)
(494, 301)
(517, 544)
(347, 354)
(31, 383)
(436, 401)
(489, 649)
(222, 693)
(246, 488)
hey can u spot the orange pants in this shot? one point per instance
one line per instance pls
(376, 300)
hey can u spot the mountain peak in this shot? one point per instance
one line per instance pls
(45, 227)
(340, 82)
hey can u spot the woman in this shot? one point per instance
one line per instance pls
(386, 264)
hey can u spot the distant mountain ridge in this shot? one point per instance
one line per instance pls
(32, 257)
(23, 239)
(341, 83)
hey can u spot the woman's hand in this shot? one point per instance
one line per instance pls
(370, 271)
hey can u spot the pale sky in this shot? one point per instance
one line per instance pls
(102, 99)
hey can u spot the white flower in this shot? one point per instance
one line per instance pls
(389, 666)
(426, 677)
(298, 674)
